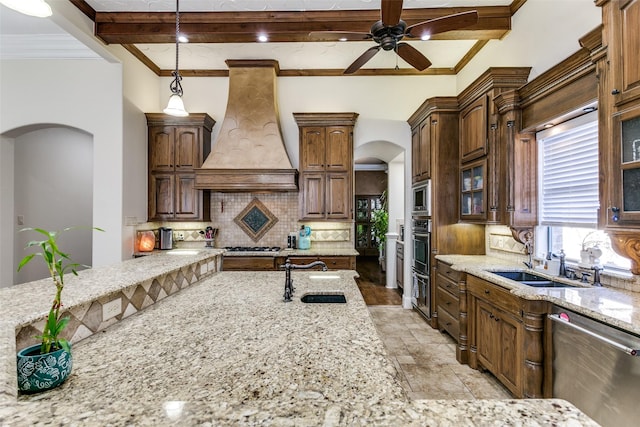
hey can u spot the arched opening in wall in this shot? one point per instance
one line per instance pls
(52, 185)
(379, 172)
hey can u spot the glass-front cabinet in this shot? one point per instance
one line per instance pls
(366, 241)
(625, 200)
(473, 200)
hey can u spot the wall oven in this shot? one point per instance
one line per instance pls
(421, 292)
(422, 199)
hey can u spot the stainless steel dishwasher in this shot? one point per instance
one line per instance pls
(597, 368)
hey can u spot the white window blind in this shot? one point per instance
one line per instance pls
(568, 159)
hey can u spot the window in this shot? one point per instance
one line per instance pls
(568, 162)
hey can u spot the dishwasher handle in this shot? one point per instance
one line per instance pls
(628, 350)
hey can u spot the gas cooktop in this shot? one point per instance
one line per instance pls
(252, 248)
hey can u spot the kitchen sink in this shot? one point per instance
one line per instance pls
(315, 298)
(531, 279)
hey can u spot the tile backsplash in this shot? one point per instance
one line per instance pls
(225, 208)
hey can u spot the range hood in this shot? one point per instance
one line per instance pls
(249, 154)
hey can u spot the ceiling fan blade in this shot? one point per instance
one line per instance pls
(339, 35)
(362, 59)
(390, 12)
(443, 24)
(412, 56)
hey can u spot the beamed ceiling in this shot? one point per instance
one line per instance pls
(220, 30)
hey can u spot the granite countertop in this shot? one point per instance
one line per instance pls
(220, 353)
(617, 307)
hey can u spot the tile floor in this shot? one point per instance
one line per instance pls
(426, 359)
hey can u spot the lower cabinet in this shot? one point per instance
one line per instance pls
(506, 337)
(267, 263)
(333, 262)
(451, 307)
(248, 263)
(400, 264)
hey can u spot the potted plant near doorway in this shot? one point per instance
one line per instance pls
(48, 364)
(380, 227)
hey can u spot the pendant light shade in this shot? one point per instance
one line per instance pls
(37, 8)
(175, 107)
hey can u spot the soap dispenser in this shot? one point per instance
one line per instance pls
(304, 239)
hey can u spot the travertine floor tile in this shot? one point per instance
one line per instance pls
(426, 359)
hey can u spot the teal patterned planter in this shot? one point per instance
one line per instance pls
(39, 372)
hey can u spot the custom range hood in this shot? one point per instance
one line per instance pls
(249, 154)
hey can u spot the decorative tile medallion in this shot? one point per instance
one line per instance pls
(255, 219)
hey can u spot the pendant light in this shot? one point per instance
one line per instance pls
(37, 8)
(175, 107)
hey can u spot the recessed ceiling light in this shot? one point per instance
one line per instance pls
(589, 109)
(425, 37)
(183, 39)
(342, 39)
(263, 38)
(548, 125)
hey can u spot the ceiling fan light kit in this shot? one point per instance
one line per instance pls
(175, 106)
(390, 30)
(37, 8)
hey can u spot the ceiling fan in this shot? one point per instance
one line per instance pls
(390, 30)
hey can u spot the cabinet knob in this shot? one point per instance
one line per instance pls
(615, 92)
(497, 319)
(487, 291)
(615, 217)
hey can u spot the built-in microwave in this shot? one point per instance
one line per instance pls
(422, 199)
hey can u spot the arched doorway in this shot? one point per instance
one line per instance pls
(49, 185)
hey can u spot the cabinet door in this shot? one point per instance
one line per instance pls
(425, 149)
(186, 197)
(338, 146)
(338, 199)
(487, 336)
(415, 155)
(312, 196)
(473, 194)
(511, 358)
(313, 149)
(187, 147)
(161, 146)
(473, 130)
(624, 207)
(625, 49)
(161, 190)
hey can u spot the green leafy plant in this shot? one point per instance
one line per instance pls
(380, 220)
(59, 263)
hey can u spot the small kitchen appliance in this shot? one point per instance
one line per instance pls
(165, 236)
(304, 240)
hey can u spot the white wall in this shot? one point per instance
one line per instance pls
(53, 185)
(7, 267)
(82, 94)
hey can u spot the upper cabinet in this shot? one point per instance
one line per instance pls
(176, 147)
(484, 144)
(326, 165)
(473, 130)
(624, 42)
(421, 150)
(617, 60)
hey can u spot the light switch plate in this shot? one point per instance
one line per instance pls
(111, 309)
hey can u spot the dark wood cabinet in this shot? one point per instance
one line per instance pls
(617, 60)
(332, 262)
(400, 264)
(326, 165)
(248, 263)
(176, 147)
(486, 140)
(270, 263)
(506, 337)
(451, 290)
(421, 150)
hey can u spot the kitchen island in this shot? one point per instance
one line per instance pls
(228, 351)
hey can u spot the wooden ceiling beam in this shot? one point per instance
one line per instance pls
(242, 27)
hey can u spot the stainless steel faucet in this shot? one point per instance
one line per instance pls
(288, 281)
(596, 275)
(528, 247)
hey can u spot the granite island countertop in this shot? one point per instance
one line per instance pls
(229, 351)
(616, 307)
